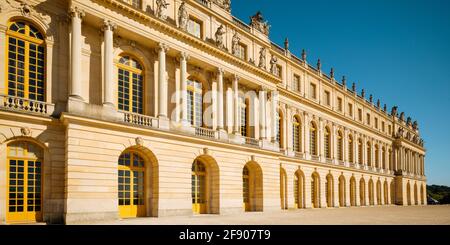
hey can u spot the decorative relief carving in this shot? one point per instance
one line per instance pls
(273, 65)
(24, 8)
(235, 44)
(139, 141)
(257, 22)
(220, 36)
(262, 58)
(25, 131)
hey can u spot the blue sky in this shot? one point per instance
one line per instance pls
(397, 50)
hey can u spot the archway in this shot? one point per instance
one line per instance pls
(353, 192)
(408, 193)
(24, 184)
(342, 191)
(371, 193)
(299, 189)
(386, 193)
(362, 192)
(393, 192)
(329, 190)
(422, 197)
(252, 187)
(416, 200)
(379, 193)
(137, 183)
(205, 185)
(315, 190)
(283, 189)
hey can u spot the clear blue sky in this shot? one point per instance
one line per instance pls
(398, 50)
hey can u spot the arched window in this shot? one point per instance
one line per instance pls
(195, 102)
(198, 187)
(327, 140)
(130, 85)
(25, 61)
(383, 157)
(24, 184)
(377, 156)
(131, 185)
(350, 149)
(340, 145)
(278, 129)
(243, 105)
(369, 154)
(313, 139)
(360, 151)
(296, 134)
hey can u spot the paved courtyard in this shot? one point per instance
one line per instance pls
(391, 215)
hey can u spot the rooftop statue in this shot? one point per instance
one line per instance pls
(257, 22)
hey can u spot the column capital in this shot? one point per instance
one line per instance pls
(236, 78)
(76, 12)
(162, 47)
(184, 56)
(109, 25)
(220, 71)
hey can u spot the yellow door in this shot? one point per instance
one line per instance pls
(198, 188)
(24, 184)
(246, 189)
(131, 186)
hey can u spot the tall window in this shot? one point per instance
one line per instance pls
(26, 61)
(339, 104)
(195, 103)
(244, 116)
(131, 85)
(131, 179)
(350, 109)
(312, 91)
(360, 151)
(278, 127)
(296, 83)
(369, 154)
(368, 119)
(313, 140)
(340, 145)
(134, 3)
(383, 157)
(327, 98)
(360, 117)
(194, 27)
(296, 131)
(376, 122)
(242, 51)
(377, 156)
(327, 140)
(350, 149)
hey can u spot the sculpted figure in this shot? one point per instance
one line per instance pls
(262, 59)
(273, 65)
(235, 44)
(161, 8)
(183, 16)
(219, 37)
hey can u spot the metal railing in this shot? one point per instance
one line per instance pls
(25, 105)
(205, 132)
(139, 119)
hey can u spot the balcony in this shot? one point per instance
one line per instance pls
(140, 120)
(252, 141)
(205, 132)
(18, 104)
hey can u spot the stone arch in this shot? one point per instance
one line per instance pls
(212, 184)
(422, 195)
(283, 188)
(353, 191)
(408, 193)
(392, 190)
(255, 187)
(315, 190)
(299, 189)
(379, 196)
(386, 192)
(371, 193)
(342, 191)
(362, 191)
(329, 190)
(151, 182)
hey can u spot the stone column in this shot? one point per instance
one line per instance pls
(236, 113)
(220, 111)
(109, 81)
(230, 110)
(262, 114)
(76, 15)
(184, 57)
(162, 81)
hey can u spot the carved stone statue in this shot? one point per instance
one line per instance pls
(332, 73)
(363, 93)
(385, 108)
(394, 111)
(415, 125)
(235, 44)
(257, 22)
(273, 65)
(304, 55)
(319, 65)
(262, 59)
(378, 103)
(161, 8)
(400, 132)
(219, 37)
(354, 87)
(408, 121)
(183, 16)
(402, 116)
(225, 4)
(371, 98)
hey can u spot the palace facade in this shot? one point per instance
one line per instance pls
(116, 109)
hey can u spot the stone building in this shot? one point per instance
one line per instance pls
(115, 109)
